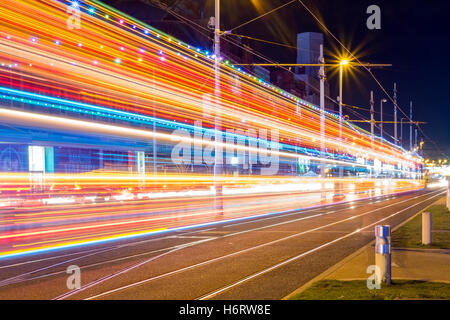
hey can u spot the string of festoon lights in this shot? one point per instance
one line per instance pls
(115, 47)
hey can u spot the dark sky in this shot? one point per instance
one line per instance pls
(414, 37)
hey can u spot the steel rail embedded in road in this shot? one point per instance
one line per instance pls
(252, 248)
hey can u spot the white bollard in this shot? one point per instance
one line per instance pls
(426, 228)
(383, 254)
(448, 196)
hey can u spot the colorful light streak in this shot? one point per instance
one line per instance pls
(304, 104)
(116, 68)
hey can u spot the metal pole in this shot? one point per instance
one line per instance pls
(322, 110)
(381, 118)
(218, 152)
(395, 113)
(415, 138)
(383, 254)
(426, 228)
(401, 132)
(341, 168)
(371, 115)
(410, 126)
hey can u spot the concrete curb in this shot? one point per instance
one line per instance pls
(351, 256)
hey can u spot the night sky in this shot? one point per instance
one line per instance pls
(414, 37)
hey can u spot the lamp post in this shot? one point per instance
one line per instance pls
(322, 109)
(395, 114)
(218, 153)
(381, 117)
(341, 70)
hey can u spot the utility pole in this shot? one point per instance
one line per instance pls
(410, 126)
(218, 152)
(415, 138)
(381, 117)
(372, 122)
(395, 113)
(341, 70)
(372, 111)
(322, 109)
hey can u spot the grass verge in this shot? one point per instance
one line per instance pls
(410, 234)
(357, 290)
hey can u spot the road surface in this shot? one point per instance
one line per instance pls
(257, 258)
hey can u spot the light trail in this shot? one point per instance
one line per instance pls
(215, 293)
(89, 117)
(130, 38)
(231, 255)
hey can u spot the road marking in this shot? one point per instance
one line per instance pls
(214, 293)
(244, 250)
(192, 237)
(92, 264)
(8, 281)
(137, 265)
(163, 249)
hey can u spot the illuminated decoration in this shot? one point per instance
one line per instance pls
(96, 114)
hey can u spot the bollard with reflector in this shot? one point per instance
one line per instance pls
(448, 195)
(383, 254)
(426, 228)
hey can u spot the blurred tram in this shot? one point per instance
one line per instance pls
(118, 111)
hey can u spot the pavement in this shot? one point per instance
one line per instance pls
(258, 258)
(406, 263)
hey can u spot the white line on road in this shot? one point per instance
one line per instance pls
(214, 293)
(245, 250)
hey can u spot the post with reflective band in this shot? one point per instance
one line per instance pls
(448, 195)
(426, 228)
(383, 254)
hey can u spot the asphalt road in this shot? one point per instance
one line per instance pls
(259, 258)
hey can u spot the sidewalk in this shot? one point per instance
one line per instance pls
(407, 264)
(431, 265)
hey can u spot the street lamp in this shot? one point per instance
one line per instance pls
(381, 115)
(218, 153)
(341, 69)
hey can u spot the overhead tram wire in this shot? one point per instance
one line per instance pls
(286, 69)
(351, 55)
(263, 15)
(256, 53)
(357, 114)
(263, 40)
(188, 22)
(368, 70)
(292, 47)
